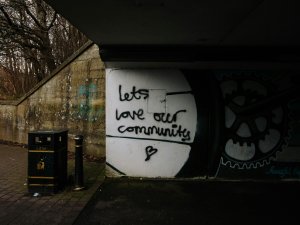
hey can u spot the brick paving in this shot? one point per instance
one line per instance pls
(18, 207)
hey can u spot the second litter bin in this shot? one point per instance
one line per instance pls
(47, 161)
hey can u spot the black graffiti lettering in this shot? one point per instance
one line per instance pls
(166, 117)
(130, 114)
(120, 129)
(149, 152)
(144, 92)
(175, 131)
(186, 135)
(134, 94)
(159, 117)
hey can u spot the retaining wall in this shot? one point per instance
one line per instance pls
(72, 97)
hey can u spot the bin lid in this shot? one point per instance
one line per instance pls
(53, 131)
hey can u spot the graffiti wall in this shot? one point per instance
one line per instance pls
(149, 122)
(168, 122)
(173, 123)
(261, 124)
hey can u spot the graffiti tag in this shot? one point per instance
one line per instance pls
(134, 94)
(149, 152)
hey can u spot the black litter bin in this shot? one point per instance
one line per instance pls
(47, 161)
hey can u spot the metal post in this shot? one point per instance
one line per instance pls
(78, 163)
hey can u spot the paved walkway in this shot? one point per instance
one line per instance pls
(18, 207)
(192, 202)
(128, 201)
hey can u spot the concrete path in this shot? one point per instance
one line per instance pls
(18, 207)
(194, 202)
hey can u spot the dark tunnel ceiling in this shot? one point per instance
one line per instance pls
(189, 22)
(188, 31)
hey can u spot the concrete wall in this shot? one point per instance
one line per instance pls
(173, 123)
(150, 121)
(167, 122)
(72, 98)
(8, 122)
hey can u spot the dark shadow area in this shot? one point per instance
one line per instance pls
(144, 202)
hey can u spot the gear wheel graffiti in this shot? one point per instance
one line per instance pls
(252, 139)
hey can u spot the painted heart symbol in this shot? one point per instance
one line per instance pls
(149, 152)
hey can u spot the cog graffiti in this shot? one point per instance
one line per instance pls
(252, 138)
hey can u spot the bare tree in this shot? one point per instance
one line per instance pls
(34, 40)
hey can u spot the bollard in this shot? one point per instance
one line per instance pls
(78, 163)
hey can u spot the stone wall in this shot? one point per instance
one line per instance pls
(72, 97)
